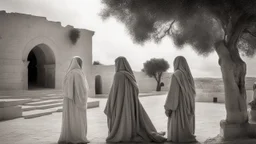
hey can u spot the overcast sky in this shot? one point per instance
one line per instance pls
(111, 39)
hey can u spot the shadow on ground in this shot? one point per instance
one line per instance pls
(156, 143)
(219, 140)
(134, 143)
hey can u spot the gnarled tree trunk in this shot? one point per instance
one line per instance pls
(233, 70)
(233, 73)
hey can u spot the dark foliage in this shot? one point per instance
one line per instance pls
(74, 35)
(96, 63)
(199, 23)
(154, 66)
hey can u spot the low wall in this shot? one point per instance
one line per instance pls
(204, 96)
(145, 83)
(207, 88)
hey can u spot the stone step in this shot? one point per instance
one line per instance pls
(40, 112)
(51, 98)
(42, 102)
(93, 104)
(13, 102)
(28, 108)
(36, 113)
(90, 104)
(41, 107)
(28, 94)
(11, 112)
(37, 92)
(43, 112)
(38, 102)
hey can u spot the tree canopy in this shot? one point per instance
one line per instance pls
(199, 23)
(154, 66)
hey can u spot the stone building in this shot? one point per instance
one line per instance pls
(35, 52)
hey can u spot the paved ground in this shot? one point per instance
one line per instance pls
(46, 129)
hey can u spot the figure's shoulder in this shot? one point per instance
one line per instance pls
(177, 73)
(76, 73)
(119, 75)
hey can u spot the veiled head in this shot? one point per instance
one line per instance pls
(79, 61)
(76, 63)
(122, 64)
(180, 63)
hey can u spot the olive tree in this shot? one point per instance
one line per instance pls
(155, 68)
(224, 26)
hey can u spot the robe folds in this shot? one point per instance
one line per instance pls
(74, 117)
(127, 119)
(180, 108)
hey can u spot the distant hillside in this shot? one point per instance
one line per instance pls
(216, 84)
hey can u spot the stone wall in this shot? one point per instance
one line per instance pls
(106, 72)
(207, 88)
(145, 83)
(20, 33)
(148, 84)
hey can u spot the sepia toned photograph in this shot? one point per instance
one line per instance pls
(127, 72)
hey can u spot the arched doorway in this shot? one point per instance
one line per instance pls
(32, 69)
(98, 85)
(41, 67)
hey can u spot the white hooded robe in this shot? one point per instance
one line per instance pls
(74, 117)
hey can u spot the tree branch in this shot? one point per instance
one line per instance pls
(169, 28)
(159, 76)
(234, 18)
(155, 77)
(166, 32)
(237, 30)
(249, 32)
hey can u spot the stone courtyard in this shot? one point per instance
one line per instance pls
(46, 129)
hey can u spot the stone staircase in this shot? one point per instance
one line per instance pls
(40, 107)
(39, 102)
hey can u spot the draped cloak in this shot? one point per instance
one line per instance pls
(74, 116)
(180, 104)
(127, 119)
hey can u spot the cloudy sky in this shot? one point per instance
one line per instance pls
(111, 39)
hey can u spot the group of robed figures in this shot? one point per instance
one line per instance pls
(127, 120)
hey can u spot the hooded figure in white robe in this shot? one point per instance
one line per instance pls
(74, 116)
(127, 119)
(180, 104)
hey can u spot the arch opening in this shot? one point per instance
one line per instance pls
(41, 67)
(98, 85)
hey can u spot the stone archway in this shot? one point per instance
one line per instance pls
(41, 67)
(98, 85)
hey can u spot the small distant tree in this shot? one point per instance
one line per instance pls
(155, 68)
(96, 63)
